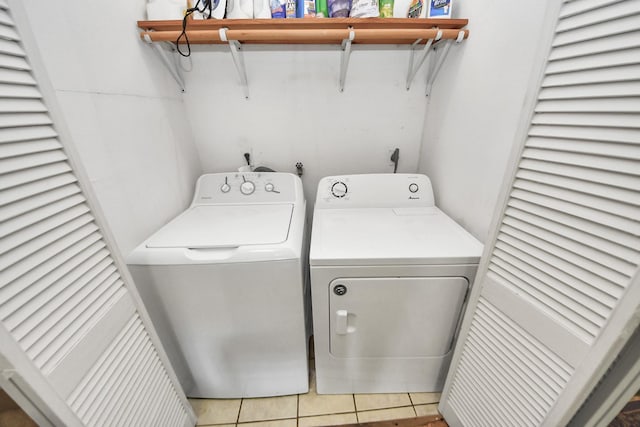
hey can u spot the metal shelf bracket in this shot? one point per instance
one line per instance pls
(441, 56)
(238, 60)
(344, 60)
(170, 64)
(424, 54)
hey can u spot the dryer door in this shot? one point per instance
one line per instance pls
(394, 316)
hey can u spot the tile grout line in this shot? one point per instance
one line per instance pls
(239, 409)
(298, 410)
(355, 408)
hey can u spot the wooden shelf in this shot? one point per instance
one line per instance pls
(306, 30)
(431, 33)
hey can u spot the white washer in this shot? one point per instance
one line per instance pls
(226, 285)
(389, 275)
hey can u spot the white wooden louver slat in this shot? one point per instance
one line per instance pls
(12, 92)
(27, 255)
(600, 149)
(149, 398)
(8, 47)
(112, 395)
(584, 196)
(557, 231)
(8, 150)
(604, 177)
(18, 243)
(596, 16)
(584, 160)
(4, 4)
(15, 66)
(590, 257)
(13, 135)
(60, 188)
(17, 310)
(509, 271)
(85, 393)
(586, 34)
(35, 189)
(576, 7)
(13, 164)
(624, 136)
(572, 278)
(21, 105)
(8, 32)
(630, 104)
(65, 340)
(49, 303)
(565, 267)
(139, 392)
(536, 394)
(588, 120)
(22, 274)
(33, 220)
(32, 283)
(595, 48)
(23, 119)
(46, 339)
(24, 176)
(625, 73)
(607, 59)
(40, 258)
(608, 90)
(620, 195)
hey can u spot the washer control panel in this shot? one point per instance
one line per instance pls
(375, 190)
(247, 187)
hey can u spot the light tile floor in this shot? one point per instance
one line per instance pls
(312, 409)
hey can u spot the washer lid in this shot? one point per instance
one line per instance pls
(386, 236)
(225, 226)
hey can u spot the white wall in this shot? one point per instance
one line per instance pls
(124, 112)
(476, 105)
(295, 112)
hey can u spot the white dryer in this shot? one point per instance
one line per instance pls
(226, 285)
(389, 276)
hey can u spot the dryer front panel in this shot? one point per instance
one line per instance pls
(394, 316)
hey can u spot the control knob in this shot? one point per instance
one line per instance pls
(247, 187)
(339, 189)
(225, 187)
(413, 187)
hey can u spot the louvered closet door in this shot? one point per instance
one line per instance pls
(555, 298)
(63, 300)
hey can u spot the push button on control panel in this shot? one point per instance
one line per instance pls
(413, 187)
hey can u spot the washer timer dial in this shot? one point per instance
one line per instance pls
(339, 189)
(247, 188)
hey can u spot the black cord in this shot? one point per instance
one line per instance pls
(207, 6)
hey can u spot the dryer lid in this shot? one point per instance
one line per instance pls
(385, 236)
(225, 226)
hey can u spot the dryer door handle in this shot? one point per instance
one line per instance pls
(342, 322)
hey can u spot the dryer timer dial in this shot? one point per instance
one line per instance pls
(339, 189)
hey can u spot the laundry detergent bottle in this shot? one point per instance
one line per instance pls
(240, 9)
(261, 9)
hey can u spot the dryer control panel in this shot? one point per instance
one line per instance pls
(247, 187)
(374, 191)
